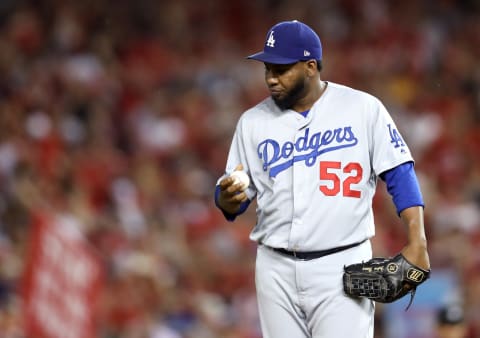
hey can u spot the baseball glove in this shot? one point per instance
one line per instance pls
(383, 280)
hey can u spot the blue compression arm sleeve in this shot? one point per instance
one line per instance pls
(402, 185)
(230, 217)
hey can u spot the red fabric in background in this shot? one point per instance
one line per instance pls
(62, 281)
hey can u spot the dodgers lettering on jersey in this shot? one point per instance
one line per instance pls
(314, 177)
(279, 157)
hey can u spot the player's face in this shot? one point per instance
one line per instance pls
(286, 83)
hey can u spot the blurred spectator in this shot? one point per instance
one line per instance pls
(451, 322)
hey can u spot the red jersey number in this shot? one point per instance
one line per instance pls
(328, 172)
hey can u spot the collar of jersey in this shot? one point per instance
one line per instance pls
(304, 113)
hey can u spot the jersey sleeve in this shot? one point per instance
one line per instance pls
(238, 154)
(388, 148)
(403, 186)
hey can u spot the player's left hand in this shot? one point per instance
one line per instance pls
(383, 279)
(416, 249)
(417, 255)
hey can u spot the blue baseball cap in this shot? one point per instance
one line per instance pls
(289, 42)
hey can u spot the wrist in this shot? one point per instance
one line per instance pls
(418, 243)
(416, 253)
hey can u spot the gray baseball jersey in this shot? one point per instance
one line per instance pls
(314, 177)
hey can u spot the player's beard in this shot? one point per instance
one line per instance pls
(288, 100)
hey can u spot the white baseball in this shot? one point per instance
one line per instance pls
(240, 177)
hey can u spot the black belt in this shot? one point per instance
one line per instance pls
(308, 255)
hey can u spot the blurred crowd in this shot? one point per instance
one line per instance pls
(120, 114)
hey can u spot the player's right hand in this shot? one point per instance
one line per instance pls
(231, 195)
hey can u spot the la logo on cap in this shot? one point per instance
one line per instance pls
(271, 40)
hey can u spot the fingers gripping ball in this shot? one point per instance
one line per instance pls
(240, 177)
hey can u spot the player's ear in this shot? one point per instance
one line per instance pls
(311, 67)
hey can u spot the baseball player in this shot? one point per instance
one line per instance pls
(313, 151)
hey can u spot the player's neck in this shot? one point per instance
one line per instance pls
(317, 90)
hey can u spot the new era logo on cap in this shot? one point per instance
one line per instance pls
(289, 42)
